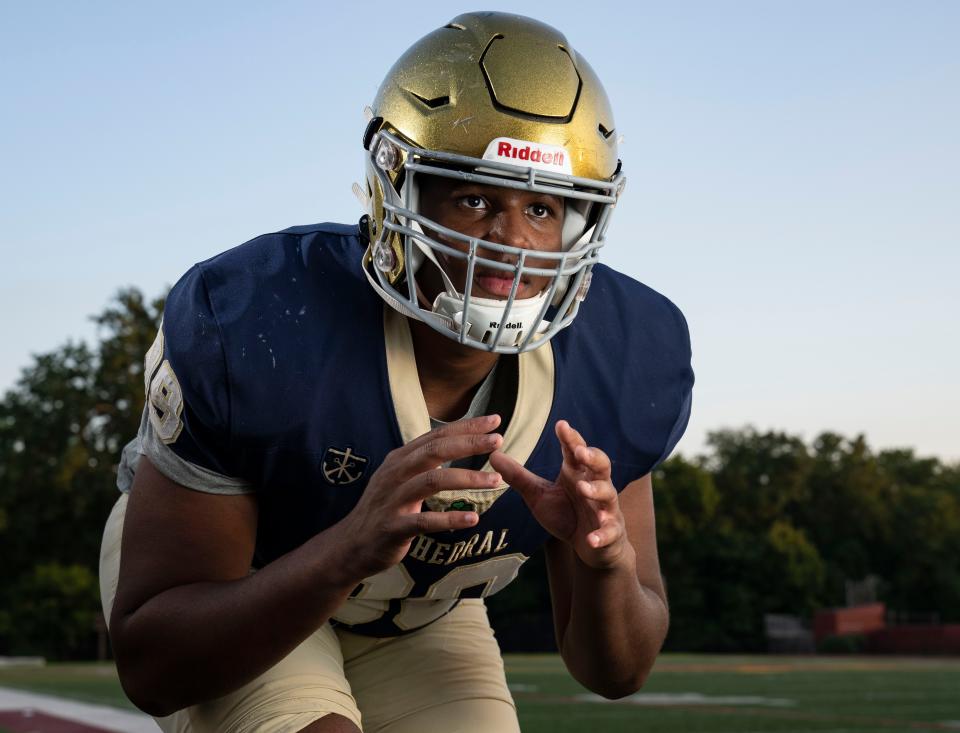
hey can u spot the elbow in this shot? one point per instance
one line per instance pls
(616, 680)
(611, 682)
(629, 677)
(619, 689)
(142, 693)
(139, 678)
(619, 678)
(152, 706)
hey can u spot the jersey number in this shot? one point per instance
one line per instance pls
(372, 601)
(164, 396)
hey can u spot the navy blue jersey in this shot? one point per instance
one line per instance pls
(279, 370)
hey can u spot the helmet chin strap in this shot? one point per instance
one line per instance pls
(484, 316)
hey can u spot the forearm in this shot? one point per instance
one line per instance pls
(200, 641)
(614, 629)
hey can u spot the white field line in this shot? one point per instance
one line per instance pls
(102, 716)
(690, 698)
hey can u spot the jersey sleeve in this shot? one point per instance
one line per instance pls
(679, 357)
(186, 428)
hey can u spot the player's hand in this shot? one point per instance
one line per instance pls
(581, 506)
(378, 531)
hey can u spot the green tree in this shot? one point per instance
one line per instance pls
(688, 536)
(846, 512)
(765, 558)
(61, 430)
(792, 571)
(759, 475)
(55, 611)
(919, 567)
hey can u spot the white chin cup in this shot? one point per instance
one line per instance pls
(484, 316)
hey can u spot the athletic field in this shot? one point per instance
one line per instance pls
(686, 693)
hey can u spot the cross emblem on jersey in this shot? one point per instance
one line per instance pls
(343, 466)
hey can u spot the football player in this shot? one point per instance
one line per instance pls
(353, 434)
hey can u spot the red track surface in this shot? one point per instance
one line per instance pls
(32, 721)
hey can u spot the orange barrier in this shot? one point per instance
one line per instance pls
(843, 621)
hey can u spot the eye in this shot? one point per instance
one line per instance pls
(473, 201)
(540, 211)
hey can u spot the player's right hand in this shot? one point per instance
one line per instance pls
(377, 533)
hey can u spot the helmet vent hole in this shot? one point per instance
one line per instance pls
(435, 102)
(456, 26)
(607, 134)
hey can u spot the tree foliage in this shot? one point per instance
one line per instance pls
(789, 525)
(61, 430)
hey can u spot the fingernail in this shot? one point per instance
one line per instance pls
(471, 518)
(494, 478)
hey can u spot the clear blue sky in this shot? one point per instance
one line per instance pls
(794, 177)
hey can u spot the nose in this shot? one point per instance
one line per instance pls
(508, 226)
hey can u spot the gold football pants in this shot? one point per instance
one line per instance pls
(445, 678)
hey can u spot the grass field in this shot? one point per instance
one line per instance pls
(688, 693)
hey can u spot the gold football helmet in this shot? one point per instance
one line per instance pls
(493, 99)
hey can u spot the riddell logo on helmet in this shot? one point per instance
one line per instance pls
(523, 152)
(534, 155)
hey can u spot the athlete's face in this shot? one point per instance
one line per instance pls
(507, 216)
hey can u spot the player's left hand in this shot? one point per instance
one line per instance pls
(581, 506)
